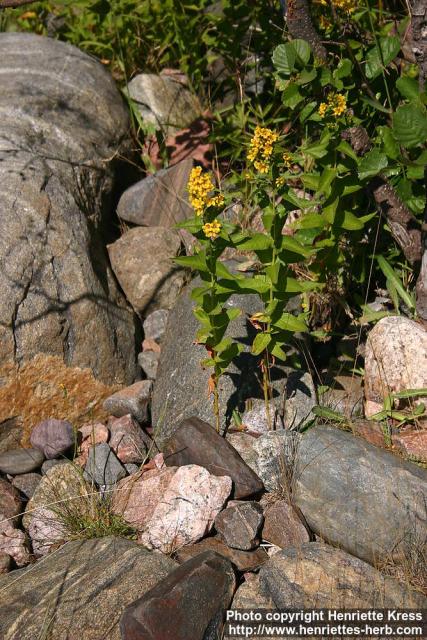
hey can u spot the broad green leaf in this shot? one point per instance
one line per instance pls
(408, 88)
(346, 148)
(328, 176)
(307, 111)
(347, 220)
(289, 322)
(291, 96)
(257, 284)
(260, 343)
(310, 221)
(343, 69)
(410, 124)
(317, 150)
(324, 412)
(389, 141)
(255, 243)
(284, 58)
(372, 163)
(302, 50)
(198, 262)
(387, 49)
(306, 76)
(192, 225)
(277, 351)
(290, 244)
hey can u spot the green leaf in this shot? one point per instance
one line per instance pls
(198, 262)
(410, 393)
(410, 125)
(257, 284)
(343, 69)
(310, 221)
(372, 163)
(290, 244)
(256, 242)
(328, 176)
(289, 322)
(389, 142)
(408, 88)
(328, 414)
(387, 50)
(395, 280)
(284, 58)
(302, 50)
(317, 150)
(291, 96)
(260, 343)
(277, 351)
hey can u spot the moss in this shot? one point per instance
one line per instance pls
(47, 388)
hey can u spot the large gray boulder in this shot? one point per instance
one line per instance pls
(181, 387)
(360, 498)
(79, 591)
(62, 121)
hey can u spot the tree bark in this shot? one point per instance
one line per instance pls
(5, 4)
(298, 19)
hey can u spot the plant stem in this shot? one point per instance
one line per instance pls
(266, 388)
(216, 404)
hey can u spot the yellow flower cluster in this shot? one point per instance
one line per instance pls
(287, 159)
(199, 186)
(261, 148)
(345, 5)
(212, 229)
(280, 181)
(337, 105)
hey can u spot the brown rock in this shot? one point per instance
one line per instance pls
(189, 603)
(282, 526)
(128, 440)
(239, 525)
(5, 562)
(160, 199)
(142, 260)
(197, 442)
(10, 502)
(242, 560)
(413, 444)
(130, 400)
(10, 432)
(369, 430)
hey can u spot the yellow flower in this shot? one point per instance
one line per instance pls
(261, 148)
(287, 159)
(216, 201)
(280, 181)
(199, 186)
(336, 105)
(345, 5)
(323, 107)
(212, 229)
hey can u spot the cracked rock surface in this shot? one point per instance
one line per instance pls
(61, 122)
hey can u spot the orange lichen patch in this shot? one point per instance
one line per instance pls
(47, 388)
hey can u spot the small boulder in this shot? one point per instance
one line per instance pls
(159, 199)
(242, 560)
(53, 437)
(133, 399)
(413, 444)
(282, 527)
(48, 464)
(13, 543)
(27, 483)
(395, 360)
(90, 583)
(128, 441)
(5, 562)
(187, 509)
(239, 525)
(164, 101)
(90, 434)
(189, 603)
(17, 461)
(103, 467)
(142, 260)
(10, 502)
(197, 442)
(149, 363)
(61, 497)
(155, 325)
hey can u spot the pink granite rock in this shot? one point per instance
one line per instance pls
(128, 440)
(413, 444)
(13, 543)
(187, 509)
(91, 434)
